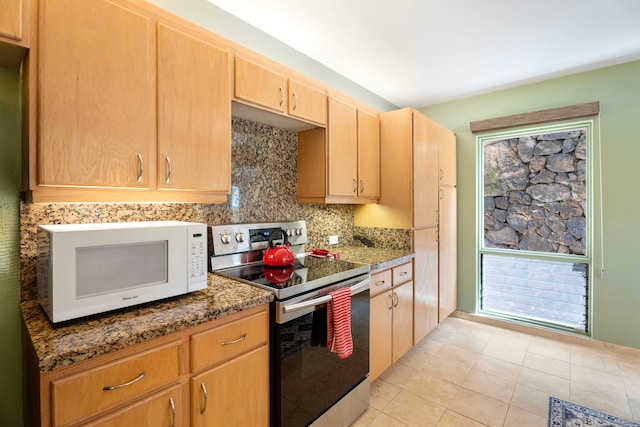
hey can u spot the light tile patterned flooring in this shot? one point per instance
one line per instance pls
(466, 373)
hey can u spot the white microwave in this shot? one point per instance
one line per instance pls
(84, 269)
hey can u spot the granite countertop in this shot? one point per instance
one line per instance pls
(82, 339)
(378, 258)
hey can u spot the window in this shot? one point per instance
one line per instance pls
(534, 231)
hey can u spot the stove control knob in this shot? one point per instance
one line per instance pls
(289, 232)
(298, 231)
(225, 238)
(239, 237)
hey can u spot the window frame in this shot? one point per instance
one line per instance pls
(587, 258)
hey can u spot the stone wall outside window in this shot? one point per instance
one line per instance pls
(535, 193)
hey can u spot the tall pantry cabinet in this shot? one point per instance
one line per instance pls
(417, 176)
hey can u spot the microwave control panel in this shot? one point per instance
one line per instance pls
(197, 247)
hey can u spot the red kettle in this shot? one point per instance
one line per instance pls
(278, 255)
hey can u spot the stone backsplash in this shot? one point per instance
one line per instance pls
(264, 188)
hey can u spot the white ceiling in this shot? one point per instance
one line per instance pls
(422, 52)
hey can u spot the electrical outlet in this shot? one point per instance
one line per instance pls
(333, 240)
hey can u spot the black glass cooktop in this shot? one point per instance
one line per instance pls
(306, 274)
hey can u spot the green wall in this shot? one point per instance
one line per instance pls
(10, 324)
(213, 18)
(616, 297)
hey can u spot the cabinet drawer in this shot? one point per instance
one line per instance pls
(79, 396)
(402, 273)
(227, 341)
(380, 282)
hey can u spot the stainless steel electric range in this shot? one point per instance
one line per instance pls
(309, 383)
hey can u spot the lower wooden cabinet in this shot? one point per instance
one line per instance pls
(160, 409)
(235, 393)
(212, 374)
(391, 327)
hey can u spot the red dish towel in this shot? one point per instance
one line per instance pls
(339, 338)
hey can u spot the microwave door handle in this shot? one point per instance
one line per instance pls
(355, 289)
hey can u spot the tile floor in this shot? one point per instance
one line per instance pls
(466, 373)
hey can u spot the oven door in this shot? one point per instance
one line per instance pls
(308, 378)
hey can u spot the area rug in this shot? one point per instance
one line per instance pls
(569, 414)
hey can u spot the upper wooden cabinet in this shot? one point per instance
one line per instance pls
(307, 102)
(342, 148)
(14, 31)
(259, 85)
(96, 117)
(117, 120)
(368, 155)
(409, 173)
(194, 125)
(342, 163)
(446, 157)
(273, 88)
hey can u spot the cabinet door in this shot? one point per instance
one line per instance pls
(235, 393)
(162, 409)
(425, 245)
(11, 19)
(368, 155)
(402, 320)
(194, 114)
(96, 96)
(307, 102)
(380, 334)
(342, 139)
(259, 85)
(448, 252)
(425, 172)
(447, 157)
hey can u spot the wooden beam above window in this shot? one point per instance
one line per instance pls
(536, 117)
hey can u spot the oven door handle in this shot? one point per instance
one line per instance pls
(355, 289)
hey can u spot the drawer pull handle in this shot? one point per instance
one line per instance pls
(234, 341)
(135, 380)
(204, 393)
(380, 283)
(403, 273)
(173, 412)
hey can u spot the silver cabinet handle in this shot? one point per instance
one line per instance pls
(403, 273)
(355, 185)
(380, 282)
(361, 185)
(390, 302)
(441, 194)
(281, 95)
(140, 167)
(295, 101)
(395, 296)
(115, 387)
(234, 341)
(441, 174)
(204, 393)
(173, 412)
(168, 170)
